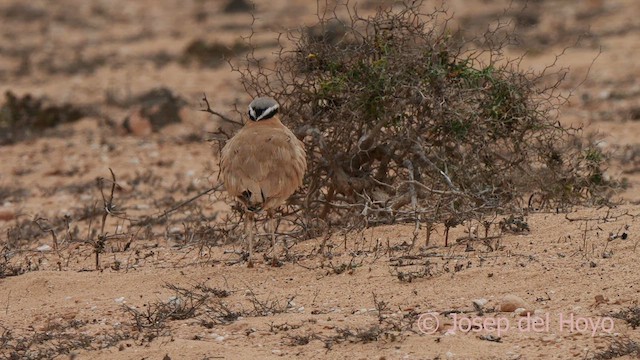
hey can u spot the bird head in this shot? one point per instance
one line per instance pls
(263, 108)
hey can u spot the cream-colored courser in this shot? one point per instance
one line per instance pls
(262, 165)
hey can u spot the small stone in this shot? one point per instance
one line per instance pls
(512, 302)
(176, 301)
(479, 303)
(550, 338)
(152, 111)
(604, 94)
(137, 124)
(7, 215)
(44, 248)
(119, 300)
(219, 338)
(600, 299)
(519, 311)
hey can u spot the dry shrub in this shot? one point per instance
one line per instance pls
(22, 116)
(630, 315)
(406, 121)
(57, 340)
(237, 6)
(618, 348)
(210, 54)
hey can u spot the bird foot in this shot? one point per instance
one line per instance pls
(273, 261)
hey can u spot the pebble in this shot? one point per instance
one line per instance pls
(551, 338)
(217, 337)
(43, 248)
(480, 303)
(175, 301)
(7, 215)
(137, 124)
(512, 302)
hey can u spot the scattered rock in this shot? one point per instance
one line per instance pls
(599, 300)
(44, 248)
(137, 124)
(217, 337)
(7, 215)
(519, 311)
(489, 337)
(550, 338)
(478, 304)
(152, 111)
(512, 302)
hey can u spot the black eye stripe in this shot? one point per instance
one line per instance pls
(262, 113)
(263, 108)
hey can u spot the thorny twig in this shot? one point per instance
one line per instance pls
(109, 208)
(185, 202)
(221, 116)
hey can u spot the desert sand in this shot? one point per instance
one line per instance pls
(172, 293)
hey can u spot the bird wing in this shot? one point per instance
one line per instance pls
(267, 161)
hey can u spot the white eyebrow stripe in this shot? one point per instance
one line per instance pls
(270, 110)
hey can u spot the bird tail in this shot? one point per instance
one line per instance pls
(250, 202)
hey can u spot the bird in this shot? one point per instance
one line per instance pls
(262, 165)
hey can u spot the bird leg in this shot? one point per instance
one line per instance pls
(272, 230)
(248, 228)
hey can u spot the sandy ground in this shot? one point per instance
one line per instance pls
(160, 296)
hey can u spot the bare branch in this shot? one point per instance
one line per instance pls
(209, 110)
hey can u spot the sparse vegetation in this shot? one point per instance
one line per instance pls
(58, 339)
(630, 315)
(211, 54)
(22, 116)
(619, 348)
(406, 122)
(411, 117)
